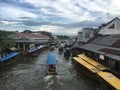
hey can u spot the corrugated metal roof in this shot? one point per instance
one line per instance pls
(116, 36)
(105, 45)
(113, 56)
(106, 40)
(112, 41)
(97, 49)
(93, 48)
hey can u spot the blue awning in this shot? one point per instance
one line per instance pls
(51, 58)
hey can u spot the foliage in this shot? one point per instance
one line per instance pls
(27, 31)
(5, 39)
(46, 33)
(62, 37)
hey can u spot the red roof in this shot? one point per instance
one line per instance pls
(116, 44)
(110, 51)
(31, 35)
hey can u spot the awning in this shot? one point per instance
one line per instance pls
(86, 65)
(111, 79)
(93, 62)
(51, 58)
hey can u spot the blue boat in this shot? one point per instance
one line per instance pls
(32, 50)
(51, 64)
(8, 56)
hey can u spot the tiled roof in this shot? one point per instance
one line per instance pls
(31, 35)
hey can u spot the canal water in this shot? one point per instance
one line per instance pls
(29, 73)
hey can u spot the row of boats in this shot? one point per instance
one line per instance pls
(51, 61)
(97, 71)
(32, 52)
(83, 64)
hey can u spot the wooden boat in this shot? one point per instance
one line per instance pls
(96, 71)
(111, 81)
(67, 53)
(32, 50)
(35, 51)
(51, 64)
(94, 63)
(61, 49)
(85, 68)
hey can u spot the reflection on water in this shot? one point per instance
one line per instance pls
(29, 73)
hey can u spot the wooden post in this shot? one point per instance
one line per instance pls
(18, 46)
(23, 47)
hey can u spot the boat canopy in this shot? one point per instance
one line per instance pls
(111, 79)
(86, 65)
(93, 62)
(8, 56)
(51, 58)
(32, 50)
(35, 49)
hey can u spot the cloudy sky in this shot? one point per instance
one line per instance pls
(56, 16)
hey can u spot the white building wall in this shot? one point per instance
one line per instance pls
(118, 25)
(82, 35)
(107, 31)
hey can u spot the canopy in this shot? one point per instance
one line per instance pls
(111, 79)
(93, 62)
(32, 50)
(86, 65)
(35, 49)
(8, 56)
(51, 58)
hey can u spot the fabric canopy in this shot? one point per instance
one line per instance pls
(51, 58)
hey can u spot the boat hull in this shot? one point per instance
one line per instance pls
(51, 73)
(85, 71)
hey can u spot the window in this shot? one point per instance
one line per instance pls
(80, 34)
(112, 26)
(87, 35)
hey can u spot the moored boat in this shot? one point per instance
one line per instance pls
(8, 56)
(97, 71)
(61, 49)
(35, 51)
(51, 64)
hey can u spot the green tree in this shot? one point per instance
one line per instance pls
(5, 40)
(62, 37)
